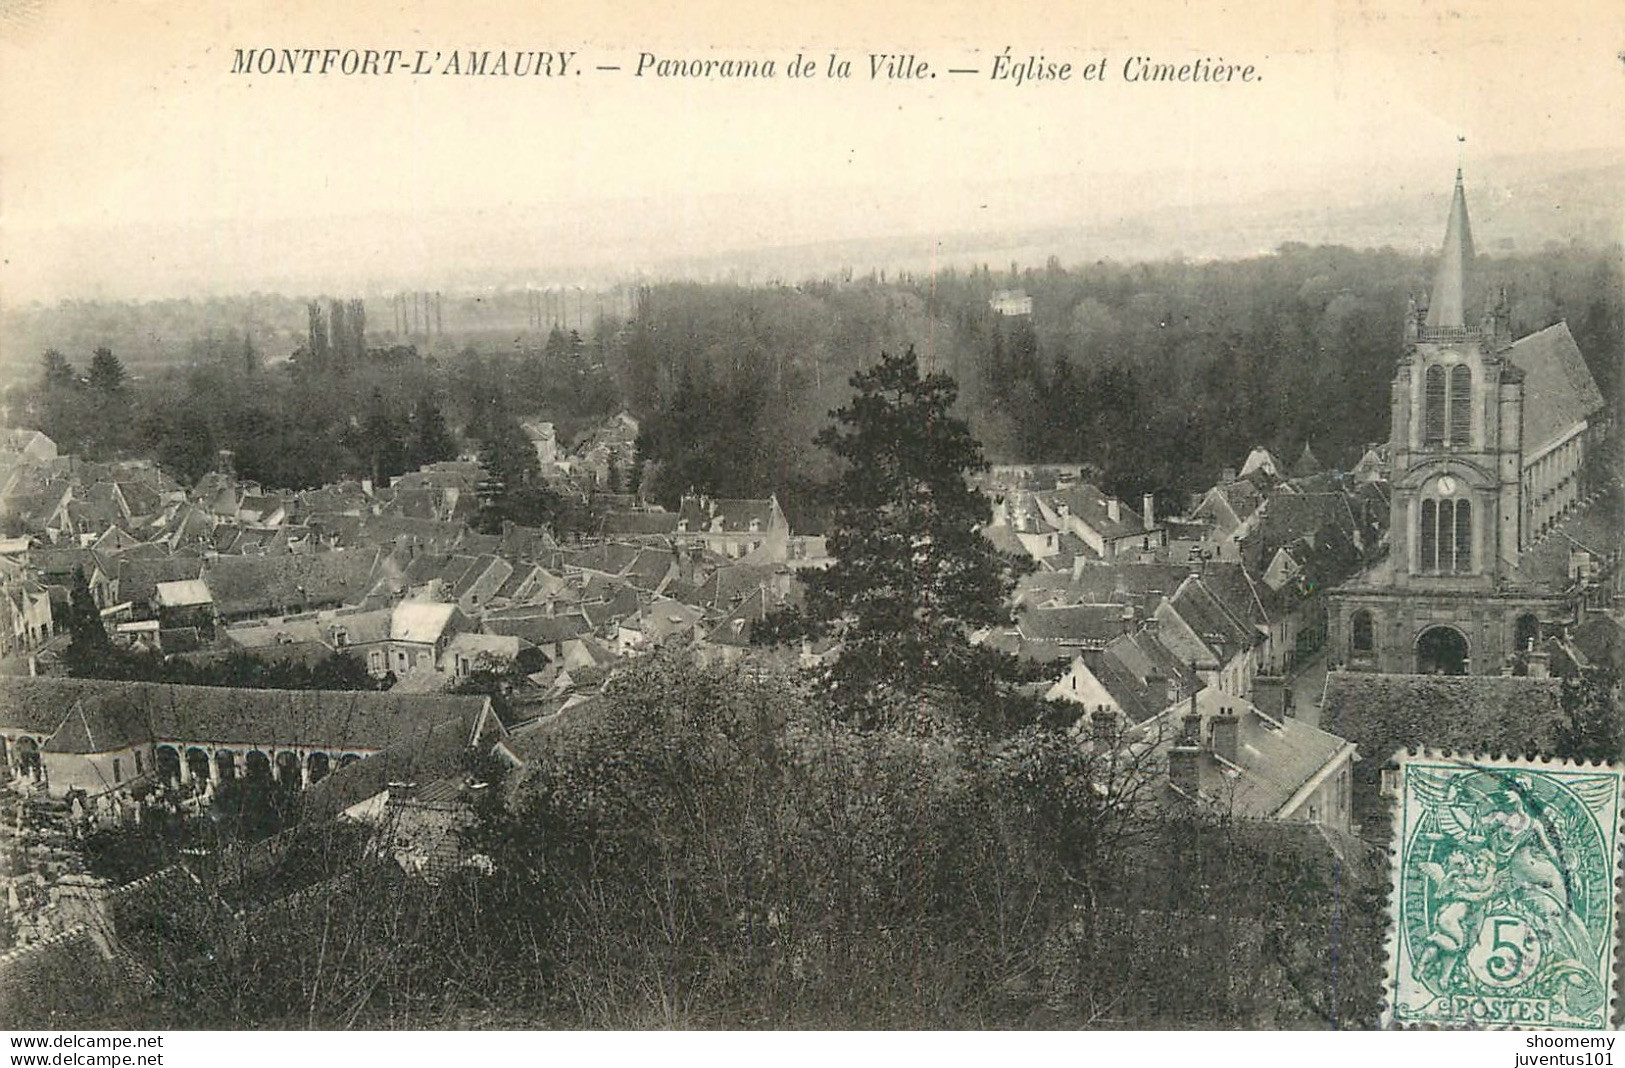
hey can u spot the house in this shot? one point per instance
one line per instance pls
(1223, 755)
(1011, 303)
(734, 528)
(187, 603)
(419, 632)
(27, 444)
(1134, 676)
(608, 453)
(112, 735)
(248, 587)
(137, 579)
(661, 620)
(543, 439)
(1262, 460)
(1100, 520)
(63, 566)
(1197, 627)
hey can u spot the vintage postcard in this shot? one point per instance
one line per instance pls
(859, 517)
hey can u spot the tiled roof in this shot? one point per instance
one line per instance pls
(649, 568)
(1274, 758)
(420, 621)
(427, 751)
(1078, 624)
(98, 715)
(1559, 390)
(183, 593)
(250, 584)
(138, 578)
(1214, 625)
(728, 515)
(1470, 713)
(1140, 673)
(1090, 504)
(644, 524)
(538, 629)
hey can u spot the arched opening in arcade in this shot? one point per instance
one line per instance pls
(287, 770)
(197, 762)
(317, 764)
(169, 764)
(257, 766)
(225, 762)
(1441, 650)
(28, 760)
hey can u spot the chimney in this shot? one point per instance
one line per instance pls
(1114, 510)
(1102, 725)
(1185, 769)
(1539, 661)
(1190, 729)
(1148, 510)
(1226, 729)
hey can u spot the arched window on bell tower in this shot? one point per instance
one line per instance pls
(1445, 532)
(1461, 405)
(1433, 408)
(1447, 406)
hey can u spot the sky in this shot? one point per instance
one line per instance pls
(133, 162)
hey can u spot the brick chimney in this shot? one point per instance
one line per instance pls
(1185, 769)
(1148, 510)
(1226, 731)
(1190, 728)
(1102, 725)
(1114, 510)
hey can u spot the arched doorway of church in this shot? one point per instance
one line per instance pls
(1441, 651)
(1525, 637)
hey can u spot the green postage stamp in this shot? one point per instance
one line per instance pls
(1504, 895)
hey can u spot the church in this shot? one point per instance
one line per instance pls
(1489, 439)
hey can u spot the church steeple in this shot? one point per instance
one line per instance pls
(1447, 308)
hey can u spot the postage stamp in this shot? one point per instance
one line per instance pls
(1504, 894)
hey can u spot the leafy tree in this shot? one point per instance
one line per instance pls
(1593, 725)
(913, 575)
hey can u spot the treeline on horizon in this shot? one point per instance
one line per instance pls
(1157, 375)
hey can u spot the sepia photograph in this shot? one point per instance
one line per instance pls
(937, 517)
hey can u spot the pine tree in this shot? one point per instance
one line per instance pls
(431, 441)
(106, 372)
(59, 373)
(913, 575)
(89, 649)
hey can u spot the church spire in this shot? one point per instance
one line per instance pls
(1447, 308)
